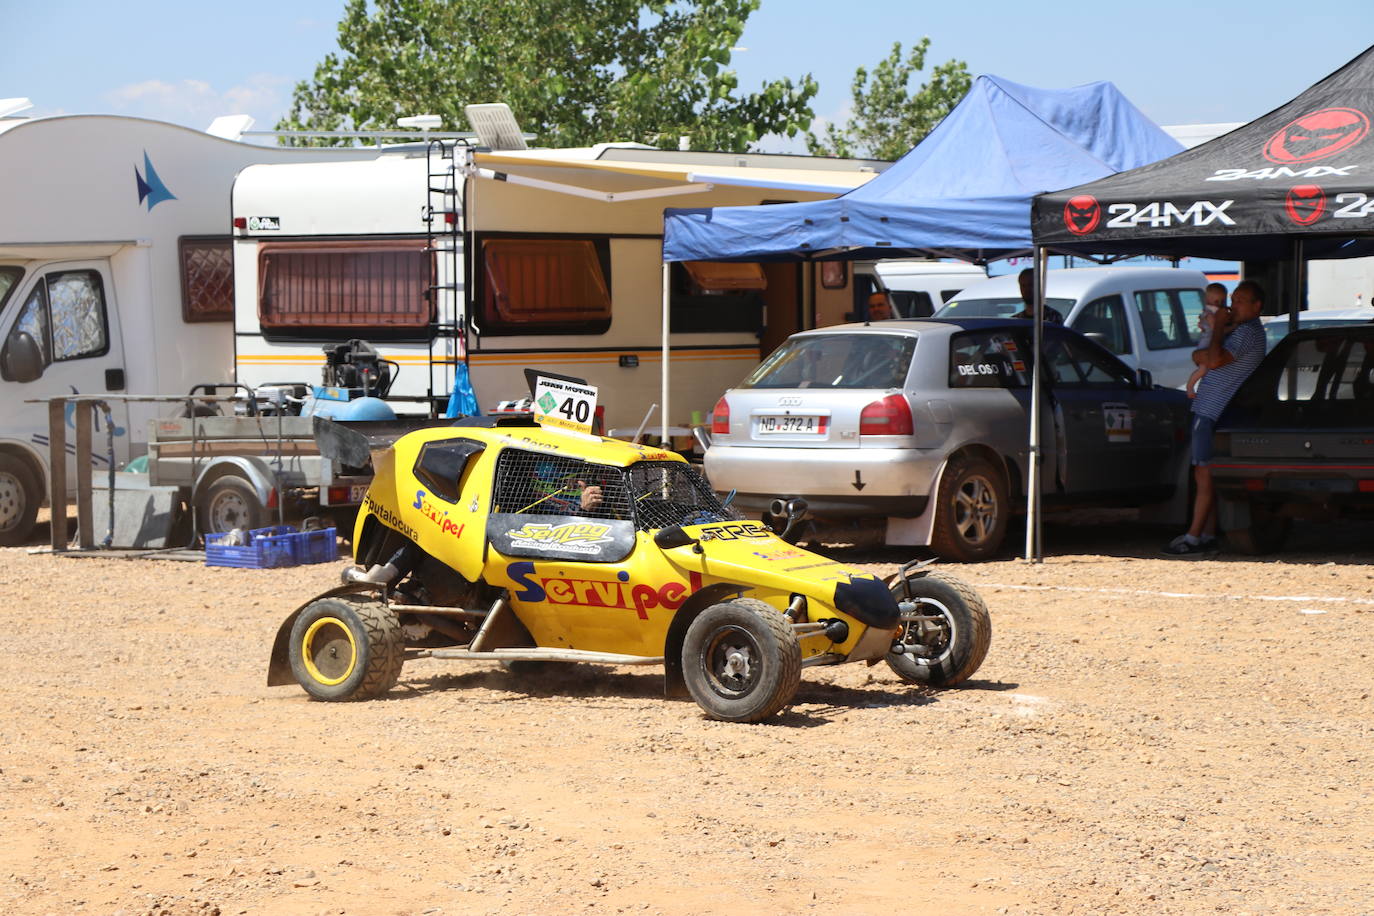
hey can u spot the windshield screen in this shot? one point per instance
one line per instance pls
(837, 361)
(9, 279)
(996, 308)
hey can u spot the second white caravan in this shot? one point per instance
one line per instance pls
(450, 259)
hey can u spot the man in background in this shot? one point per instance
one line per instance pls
(1026, 279)
(1230, 357)
(880, 306)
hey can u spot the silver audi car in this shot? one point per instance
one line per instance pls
(922, 426)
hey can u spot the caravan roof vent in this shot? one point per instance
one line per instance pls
(495, 126)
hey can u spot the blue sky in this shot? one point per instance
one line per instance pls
(1180, 62)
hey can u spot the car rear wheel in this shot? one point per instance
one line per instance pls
(971, 510)
(741, 660)
(946, 638)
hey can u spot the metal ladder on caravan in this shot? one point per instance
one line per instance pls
(446, 291)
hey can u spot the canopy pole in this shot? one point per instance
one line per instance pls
(1299, 297)
(1033, 539)
(663, 382)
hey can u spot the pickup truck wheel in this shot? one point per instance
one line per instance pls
(19, 499)
(1265, 533)
(346, 648)
(741, 660)
(971, 510)
(230, 502)
(947, 638)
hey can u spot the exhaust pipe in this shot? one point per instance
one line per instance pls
(400, 564)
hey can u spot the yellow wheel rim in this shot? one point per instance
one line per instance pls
(329, 651)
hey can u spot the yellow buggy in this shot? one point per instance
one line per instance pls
(499, 540)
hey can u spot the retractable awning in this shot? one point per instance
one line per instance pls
(615, 181)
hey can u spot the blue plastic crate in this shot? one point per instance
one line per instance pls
(318, 546)
(267, 548)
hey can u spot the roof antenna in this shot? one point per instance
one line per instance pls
(423, 123)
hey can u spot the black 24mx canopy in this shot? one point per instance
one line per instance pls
(1305, 171)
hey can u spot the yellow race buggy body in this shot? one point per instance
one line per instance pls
(501, 540)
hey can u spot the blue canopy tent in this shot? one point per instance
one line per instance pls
(964, 192)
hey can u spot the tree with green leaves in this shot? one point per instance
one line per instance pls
(574, 72)
(888, 116)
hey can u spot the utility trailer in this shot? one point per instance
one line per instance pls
(251, 471)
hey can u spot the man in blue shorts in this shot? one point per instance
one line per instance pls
(1233, 353)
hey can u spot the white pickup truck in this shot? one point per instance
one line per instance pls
(1146, 316)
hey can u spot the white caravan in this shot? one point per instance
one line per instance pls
(115, 277)
(449, 259)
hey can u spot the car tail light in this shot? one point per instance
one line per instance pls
(338, 495)
(720, 417)
(1366, 486)
(889, 417)
(1254, 483)
(272, 499)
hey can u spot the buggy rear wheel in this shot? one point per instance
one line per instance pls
(346, 648)
(741, 660)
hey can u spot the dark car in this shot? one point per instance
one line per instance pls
(1298, 438)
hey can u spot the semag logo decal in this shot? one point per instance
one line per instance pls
(1082, 214)
(1305, 204)
(1318, 135)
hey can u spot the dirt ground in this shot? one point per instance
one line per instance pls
(1146, 736)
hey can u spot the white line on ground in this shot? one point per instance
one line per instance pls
(1143, 591)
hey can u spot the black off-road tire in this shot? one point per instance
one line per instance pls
(950, 651)
(229, 502)
(1265, 534)
(743, 632)
(346, 648)
(971, 511)
(19, 499)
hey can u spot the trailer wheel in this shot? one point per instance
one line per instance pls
(230, 502)
(947, 638)
(19, 499)
(741, 660)
(346, 648)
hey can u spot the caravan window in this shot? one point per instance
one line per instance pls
(65, 315)
(380, 286)
(545, 286)
(207, 279)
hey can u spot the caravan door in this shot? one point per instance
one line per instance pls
(66, 311)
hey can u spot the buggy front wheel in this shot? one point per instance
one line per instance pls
(346, 648)
(741, 660)
(947, 637)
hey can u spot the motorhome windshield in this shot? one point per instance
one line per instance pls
(995, 308)
(9, 279)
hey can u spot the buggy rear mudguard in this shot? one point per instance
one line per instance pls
(279, 665)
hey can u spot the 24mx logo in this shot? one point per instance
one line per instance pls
(1163, 215)
(1357, 206)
